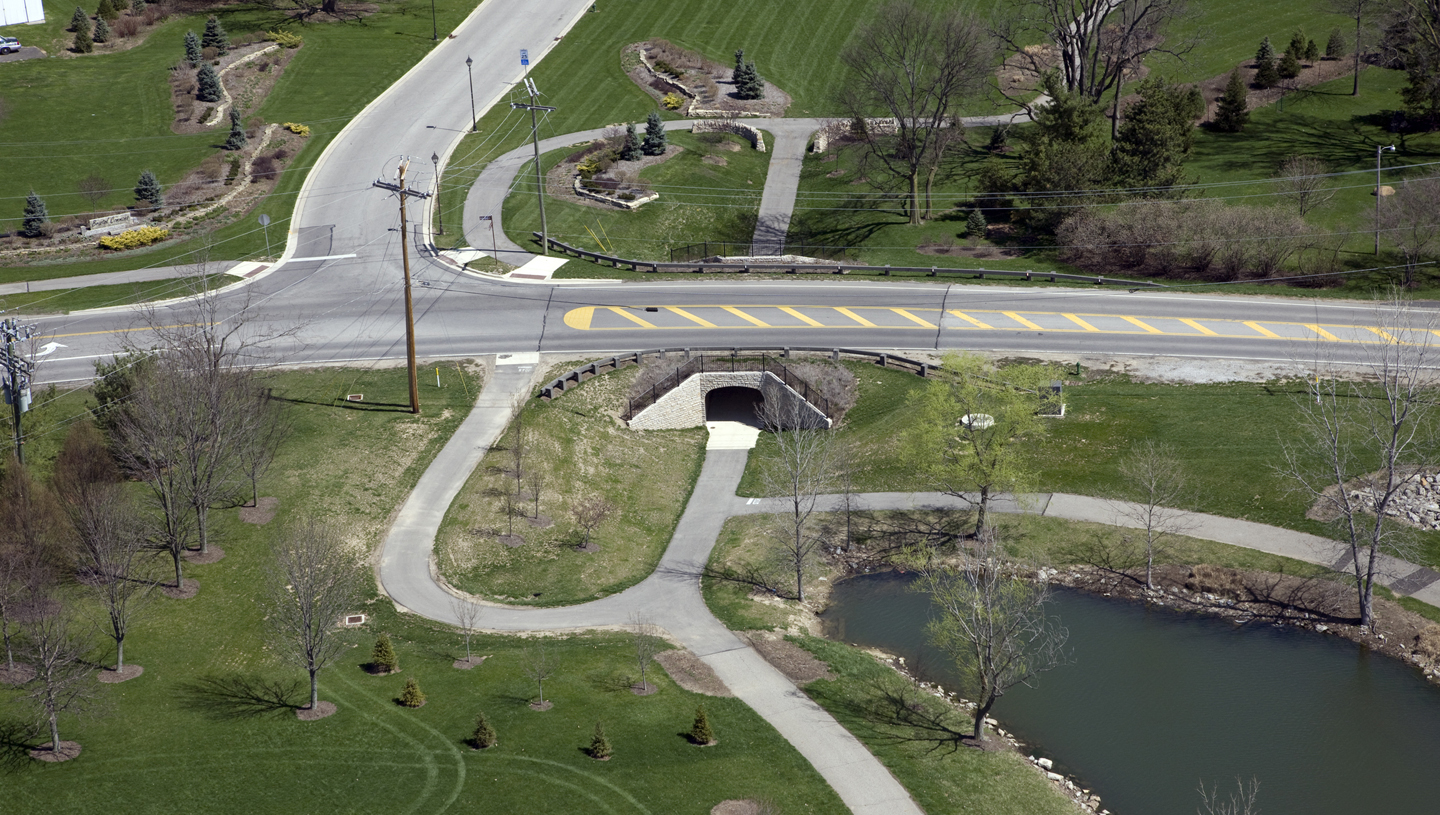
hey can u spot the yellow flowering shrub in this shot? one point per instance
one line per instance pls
(284, 39)
(134, 238)
(673, 101)
(303, 130)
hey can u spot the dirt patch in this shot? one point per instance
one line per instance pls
(468, 663)
(1311, 74)
(512, 541)
(67, 751)
(691, 673)
(18, 675)
(212, 554)
(718, 161)
(188, 588)
(541, 521)
(262, 513)
(109, 676)
(542, 706)
(588, 548)
(738, 806)
(320, 711)
(798, 665)
(835, 174)
(952, 250)
(643, 688)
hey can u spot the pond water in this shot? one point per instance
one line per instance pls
(1153, 702)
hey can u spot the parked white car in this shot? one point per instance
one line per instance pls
(9, 45)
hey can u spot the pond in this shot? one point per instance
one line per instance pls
(1154, 701)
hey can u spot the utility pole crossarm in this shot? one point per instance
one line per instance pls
(535, 140)
(17, 376)
(386, 185)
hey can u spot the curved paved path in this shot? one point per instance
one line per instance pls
(672, 592)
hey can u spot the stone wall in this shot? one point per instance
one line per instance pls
(614, 202)
(752, 134)
(685, 406)
(840, 127)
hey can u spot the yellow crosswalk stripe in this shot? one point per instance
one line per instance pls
(1254, 326)
(1198, 327)
(971, 320)
(911, 317)
(801, 317)
(746, 317)
(1382, 334)
(580, 318)
(687, 315)
(1021, 320)
(631, 317)
(1076, 320)
(1149, 329)
(856, 317)
(1322, 332)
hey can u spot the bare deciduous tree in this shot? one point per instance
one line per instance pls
(1304, 180)
(540, 664)
(992, 624)
(1362, 12)
(916, 66)
(24, 575)
(1361, 441)
(536, 478)
(1240, 802)
(63, 680)
(312, 584)
(647, 644)
(265, 426)
(1156, 487)
(111, 543)
(467, 619)
(29, 535)
(93, 187)
(589, 513)
(800, 474)
(1410, 221)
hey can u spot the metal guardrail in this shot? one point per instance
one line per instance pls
(831, 268)
(579, 374)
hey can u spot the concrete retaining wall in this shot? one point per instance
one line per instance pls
(685, 406)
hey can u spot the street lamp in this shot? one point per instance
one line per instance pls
(1378, 150)
(439, 210)
(471, 74)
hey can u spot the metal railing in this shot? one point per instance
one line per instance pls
(835, 267)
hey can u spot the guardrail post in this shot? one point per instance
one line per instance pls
(839, 269)
(687, 354)
(834, 354)
(1100, 281)
(1052, 276)
(884, 359)
(924, 370)
(933, 272)
(887, 270)
(1027, 274)
(786, 351)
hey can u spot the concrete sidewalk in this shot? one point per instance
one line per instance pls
(115, 278)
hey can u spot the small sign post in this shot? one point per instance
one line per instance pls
(265, 224)
(524, 58)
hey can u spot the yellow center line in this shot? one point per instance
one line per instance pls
(1254, 326)
(631, 317)
(1135, 321)
(971, 320)
(856, 317)
(1021, 320)
(1382, 334)
(907, 315)
(1076, 320)
(1198, 327)
(801, 317)
(687, 315)
(746, 317)
(1322, 332)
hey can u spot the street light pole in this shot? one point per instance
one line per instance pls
(439, 210)
(473, 121)
(1378, 150)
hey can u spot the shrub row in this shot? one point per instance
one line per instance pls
(134, 238)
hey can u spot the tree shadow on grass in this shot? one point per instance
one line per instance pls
(373, 407)
(242, 696)
(891, 711)
(16, 740)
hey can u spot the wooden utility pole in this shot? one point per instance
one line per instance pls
(535, 140)
(409, 300)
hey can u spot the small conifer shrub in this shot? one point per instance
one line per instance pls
(700, 732)
(382, 657)
(36, 216)
(193, 54)
(411, 696)
(484, 736)
(599, 749)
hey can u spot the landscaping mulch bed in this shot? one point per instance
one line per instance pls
(68, 750)
(320, 711)
(798, 665)
(110, 676)
(18, 675)
(262, 513)
(512, 541)
(188, 588)
(212, 554)
(967, 251)
(737, 806)
(247, 85)
(545, 705)
(558, 180)
(643, 688)
(468, 663)
(691, 673)
(1322, 70)
(696, 67)
(541, 521)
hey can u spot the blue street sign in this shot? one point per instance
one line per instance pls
(524, 57)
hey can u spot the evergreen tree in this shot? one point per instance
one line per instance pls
(382, 656)
(1065, 151)
(192, 48)
(975, 225)
(137, 7)
(1297, 45)
(700, 732)
(106, 11)
(102, 31)
(655, 142)
(1336, 47)
(1266, 76)
(1266, 52)
(411, 696)
(1312, 51)
(739, 65)
(750, 85)
(484, 735)
(35, 216)
(1231, 114)
(237, 133)
(79, 20)
(599, 745)
(630, 150)
(1156, 138)
(147, 190)
(1289, 67)
(83, 43)
(208, 83)
(215, 36)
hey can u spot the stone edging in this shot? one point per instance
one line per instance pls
(225, 101)
(616, 202)
(747, 132)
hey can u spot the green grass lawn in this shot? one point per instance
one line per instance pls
(63, 301)
(188, 737)
(577, 444)
(698, 202)
(1230, 31)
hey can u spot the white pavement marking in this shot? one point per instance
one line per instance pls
(539, 268)
(731, 436)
